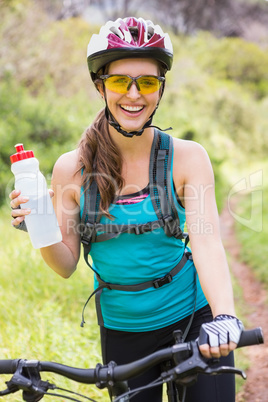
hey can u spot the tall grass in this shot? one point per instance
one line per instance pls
(253, 206)
(40, 312)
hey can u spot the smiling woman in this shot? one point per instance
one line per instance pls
(126, 194)
(132, 100)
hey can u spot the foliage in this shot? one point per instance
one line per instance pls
(45, 102)
(233, 59)
(220, 101)
(55, 52)
(40, 312)
(254, 239)
(227, 116)
(246, 18)
(47, 124)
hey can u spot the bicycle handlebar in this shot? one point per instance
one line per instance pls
(126, 371)
(8, 366)
(186, 363)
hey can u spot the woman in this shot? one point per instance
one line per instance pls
(144, 185)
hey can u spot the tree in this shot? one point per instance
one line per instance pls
(113, 9)
(183, 16)
(243, 18)
(62, 9)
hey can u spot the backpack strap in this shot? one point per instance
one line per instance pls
(161, 186)
(161, 196)
(155, 283)
(90, 210)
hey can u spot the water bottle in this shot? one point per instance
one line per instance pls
(41, 223)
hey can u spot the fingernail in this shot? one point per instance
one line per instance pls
(25, 198)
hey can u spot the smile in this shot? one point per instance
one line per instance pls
(132, 108)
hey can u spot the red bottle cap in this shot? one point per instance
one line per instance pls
(21, 154)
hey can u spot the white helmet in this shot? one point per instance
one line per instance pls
(127, 38)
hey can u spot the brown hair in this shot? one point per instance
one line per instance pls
(101, 160)
(99, 157)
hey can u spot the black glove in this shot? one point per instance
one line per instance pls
(22, 225)
(220, 331)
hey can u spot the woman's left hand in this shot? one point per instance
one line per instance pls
(220, 336)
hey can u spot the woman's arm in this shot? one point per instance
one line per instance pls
(61, 257)
(198, 193)
(202, 221)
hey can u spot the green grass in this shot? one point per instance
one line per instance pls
(40, 312)
(252, 232)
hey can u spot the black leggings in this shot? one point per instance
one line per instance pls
(124, 347)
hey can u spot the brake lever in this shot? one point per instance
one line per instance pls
(27, 379)
(186, 370)
(7, 392)
(224, 370)
(194, 364)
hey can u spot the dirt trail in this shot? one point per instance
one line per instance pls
(255, 298)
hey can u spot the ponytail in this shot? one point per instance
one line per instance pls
(101, 160)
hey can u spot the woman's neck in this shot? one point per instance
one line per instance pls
(135, 153)
(134, 147)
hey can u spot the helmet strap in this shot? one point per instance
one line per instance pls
(112, 121)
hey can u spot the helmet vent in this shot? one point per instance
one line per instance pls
(150, 32)
(128, 38)
(134, 33)
(116, 31)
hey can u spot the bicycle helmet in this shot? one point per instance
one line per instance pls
(128, 38)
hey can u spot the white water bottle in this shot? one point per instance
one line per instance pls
(42, 224)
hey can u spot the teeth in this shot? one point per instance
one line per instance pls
(132, 108)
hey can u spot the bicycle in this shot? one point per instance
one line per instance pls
(187, 364)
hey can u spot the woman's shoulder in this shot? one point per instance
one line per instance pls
(189, 151)
(68, 160)
(191, 162)
(187, 145)
(67, 165)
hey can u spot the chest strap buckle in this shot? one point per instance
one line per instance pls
(158, 283)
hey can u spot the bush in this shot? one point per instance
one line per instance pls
(231, 59)
(49, 126)
(253, 207)
(39, 52)
(215, 93)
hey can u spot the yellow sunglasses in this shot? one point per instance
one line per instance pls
(146, 84)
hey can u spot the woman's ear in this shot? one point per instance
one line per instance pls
(100, 89)
(99, 86)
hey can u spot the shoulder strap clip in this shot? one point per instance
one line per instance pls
(158, 283)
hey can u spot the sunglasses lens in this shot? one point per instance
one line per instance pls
(121, 84)
(118, 83)
(148, 84)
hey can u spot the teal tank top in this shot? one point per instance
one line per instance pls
(131, 259)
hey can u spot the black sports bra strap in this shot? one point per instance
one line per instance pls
(160, 175)
(152, 175)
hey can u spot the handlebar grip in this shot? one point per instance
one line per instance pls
(8, 366)
(251, 337)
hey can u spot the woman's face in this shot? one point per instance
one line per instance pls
(132, 110)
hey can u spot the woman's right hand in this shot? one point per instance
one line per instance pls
(18, 213)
